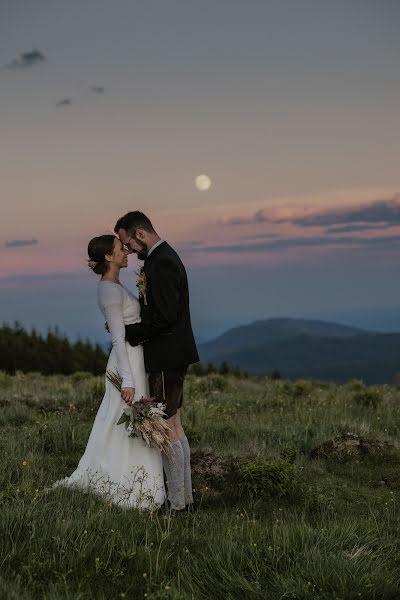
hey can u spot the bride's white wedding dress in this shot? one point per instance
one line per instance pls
(122, 469)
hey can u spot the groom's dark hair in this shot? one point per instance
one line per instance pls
(132, 221)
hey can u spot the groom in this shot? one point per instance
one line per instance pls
(167, 337)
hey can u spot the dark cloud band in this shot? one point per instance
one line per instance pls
(381, 211)
(358, 227)
(21, 243)
(378, 243)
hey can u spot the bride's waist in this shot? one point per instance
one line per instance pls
(132, 321)
(130, 349)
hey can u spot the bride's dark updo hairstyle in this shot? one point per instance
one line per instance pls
(97, 249)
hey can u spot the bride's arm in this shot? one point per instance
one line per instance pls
(111, 300)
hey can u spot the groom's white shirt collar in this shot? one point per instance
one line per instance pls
(154, 247)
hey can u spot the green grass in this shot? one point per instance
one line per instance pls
(274, 523)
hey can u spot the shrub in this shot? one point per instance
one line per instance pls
(79, 376)
(196, 369)
(289, 454)
(356, 385)
(276, 477)
(5, 379)
(368, 397)
(211, 383)
(302, 388)
(96, 389)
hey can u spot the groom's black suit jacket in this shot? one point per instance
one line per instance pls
(165, 330)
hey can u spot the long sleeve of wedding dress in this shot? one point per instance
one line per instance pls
(111, 300)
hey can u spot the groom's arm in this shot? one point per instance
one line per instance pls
(165, 292)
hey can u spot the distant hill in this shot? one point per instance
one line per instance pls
(260, 332)
(301, 348)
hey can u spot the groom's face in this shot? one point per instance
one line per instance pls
(133, 244)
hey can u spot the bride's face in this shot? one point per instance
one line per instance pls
(119, 257)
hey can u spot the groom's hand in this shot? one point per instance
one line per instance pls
(127, 394)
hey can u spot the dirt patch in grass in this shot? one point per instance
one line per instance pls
(211, 472)
(353, 447)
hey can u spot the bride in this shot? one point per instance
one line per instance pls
(122, 469)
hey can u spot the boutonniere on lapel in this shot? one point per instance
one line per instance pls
(141, 284)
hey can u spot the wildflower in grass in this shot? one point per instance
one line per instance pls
(24, 463)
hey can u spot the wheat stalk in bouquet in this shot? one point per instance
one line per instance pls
(145, 418)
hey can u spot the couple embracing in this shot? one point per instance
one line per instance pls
(152, 347)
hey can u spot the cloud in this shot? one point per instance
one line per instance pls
(379, 243)
(263, 236)
(380, 211)
(21, 243)
(187, 247)
(189, 243)
(97, 89)
(26, 60)
(358, 227)
(258, 217)
(379, 214)
(64, 102)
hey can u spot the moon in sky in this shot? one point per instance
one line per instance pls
(203, 183)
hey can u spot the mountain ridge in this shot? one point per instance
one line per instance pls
(307, 348)
(274, 328)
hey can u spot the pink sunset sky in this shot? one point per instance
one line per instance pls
(267, 232)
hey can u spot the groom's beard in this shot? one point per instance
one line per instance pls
(141, 254)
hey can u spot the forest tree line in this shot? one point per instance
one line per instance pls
(54, 353)
(23, 350)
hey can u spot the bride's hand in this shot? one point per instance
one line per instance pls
(128, 394)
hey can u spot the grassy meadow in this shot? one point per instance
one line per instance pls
(297, 485)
